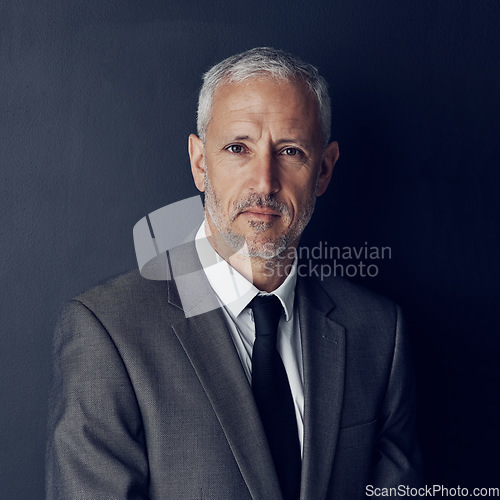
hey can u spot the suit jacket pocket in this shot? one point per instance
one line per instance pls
(353, 460)
(359, 435)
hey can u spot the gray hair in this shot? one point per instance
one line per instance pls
(258, 62)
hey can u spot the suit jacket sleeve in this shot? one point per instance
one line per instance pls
(397, 458)
(96, 445)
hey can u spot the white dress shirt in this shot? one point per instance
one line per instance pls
(235, 293)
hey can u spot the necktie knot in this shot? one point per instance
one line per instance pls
(267, 311)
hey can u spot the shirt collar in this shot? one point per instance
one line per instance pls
(234, 290)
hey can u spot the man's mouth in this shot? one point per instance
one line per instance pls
(261, 213)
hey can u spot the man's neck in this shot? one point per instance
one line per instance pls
(266, 274)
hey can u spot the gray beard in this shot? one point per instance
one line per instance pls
(268, 249)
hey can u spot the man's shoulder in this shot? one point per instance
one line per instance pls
(125, 285)
(370, 320)
(125, 294)
(343, 290)
(350, 301)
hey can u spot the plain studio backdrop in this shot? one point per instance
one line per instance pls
(97, 99)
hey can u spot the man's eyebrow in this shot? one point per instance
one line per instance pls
(299, 142)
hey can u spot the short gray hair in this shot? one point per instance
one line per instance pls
(258, 62)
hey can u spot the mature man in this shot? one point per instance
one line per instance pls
(291, 387)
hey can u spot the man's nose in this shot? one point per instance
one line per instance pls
(265, 174)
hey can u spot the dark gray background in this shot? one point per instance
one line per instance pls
(96, 101)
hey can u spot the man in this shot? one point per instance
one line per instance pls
(155, 399)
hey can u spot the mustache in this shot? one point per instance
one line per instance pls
(258, 200)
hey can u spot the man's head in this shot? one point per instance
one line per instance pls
(262, 158)
(269, 63)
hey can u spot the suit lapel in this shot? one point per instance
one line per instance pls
(206, 339)
(323, 346)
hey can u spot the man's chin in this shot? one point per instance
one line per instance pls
(256, 245)
(263, 250)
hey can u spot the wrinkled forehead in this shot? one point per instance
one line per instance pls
(261, 95)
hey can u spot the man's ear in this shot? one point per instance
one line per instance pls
(197, 157)
(330, 157)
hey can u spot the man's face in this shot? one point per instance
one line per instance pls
(262, 165)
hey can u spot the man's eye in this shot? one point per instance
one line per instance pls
(235, 148)
(291, 152)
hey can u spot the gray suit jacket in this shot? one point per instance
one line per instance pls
(148, 403)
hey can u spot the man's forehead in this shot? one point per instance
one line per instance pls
(253, 101)
(232, 128)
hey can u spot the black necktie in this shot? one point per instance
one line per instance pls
(273, 396)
